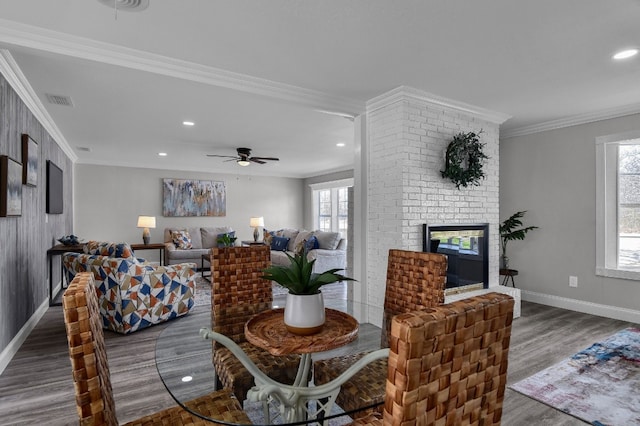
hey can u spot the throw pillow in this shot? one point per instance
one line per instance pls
(267, 236)
(311, 244)
(279, 243)
(298, 245)
(181, 239)
(327, 240)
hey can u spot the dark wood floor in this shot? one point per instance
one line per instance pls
(36, 387)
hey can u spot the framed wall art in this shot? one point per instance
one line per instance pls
(30, 159)
(10, 187)
(55, 188)
(183, 197)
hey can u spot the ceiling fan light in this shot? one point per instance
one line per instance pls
(243, 163)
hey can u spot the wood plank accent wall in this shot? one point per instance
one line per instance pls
(24, 240)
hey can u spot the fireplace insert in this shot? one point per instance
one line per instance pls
(467, 249)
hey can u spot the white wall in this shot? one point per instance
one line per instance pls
(108, 201)
(552, 176)
(408, 136)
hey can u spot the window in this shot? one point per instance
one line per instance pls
(629, 206)
(324, 210)
(331, 206)
(618, 206)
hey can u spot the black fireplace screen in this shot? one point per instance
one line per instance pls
(467, 250)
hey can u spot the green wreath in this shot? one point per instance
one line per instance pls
(464, 160)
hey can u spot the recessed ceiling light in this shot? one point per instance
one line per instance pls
(162, 154)
(624, 54)
(340, 144)
(188, 123)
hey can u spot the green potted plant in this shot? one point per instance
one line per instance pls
(304, 310)
(226, 240)
(509, 231)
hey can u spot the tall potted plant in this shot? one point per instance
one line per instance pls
(509, 231)
(304, 311)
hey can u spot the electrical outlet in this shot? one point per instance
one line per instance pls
(573, 281)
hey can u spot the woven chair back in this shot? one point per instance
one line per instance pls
(415, 281)
(94, 395)
(238, 291)
(448, 365)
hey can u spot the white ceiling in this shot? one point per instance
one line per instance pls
(255, 73)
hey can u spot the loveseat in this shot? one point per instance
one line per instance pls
(189, 244)
(133, 294)
(329, 249)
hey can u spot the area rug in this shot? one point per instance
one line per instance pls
(600, 385)
(203, 291)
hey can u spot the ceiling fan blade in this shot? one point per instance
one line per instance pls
(256, 160)
(231, 159)
(223, 156)
(266, 158)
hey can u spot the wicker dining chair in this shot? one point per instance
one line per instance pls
(448, 365)
(238, 293)
(92, 382)
(415, 280)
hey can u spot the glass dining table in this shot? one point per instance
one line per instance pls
(184, 363)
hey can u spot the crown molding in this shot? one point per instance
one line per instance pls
(405, 92)
(17, 80)
(79, 47)
(574, 120)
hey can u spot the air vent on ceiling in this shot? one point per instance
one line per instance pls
(59, 100)
(126, 5)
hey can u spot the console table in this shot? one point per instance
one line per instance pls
(59, 250)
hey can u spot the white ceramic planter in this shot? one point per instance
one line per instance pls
(304, 314)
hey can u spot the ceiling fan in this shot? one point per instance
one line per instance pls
(244, 157)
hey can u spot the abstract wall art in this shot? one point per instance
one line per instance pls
(29, 160)
(10, 187)
(185, 197)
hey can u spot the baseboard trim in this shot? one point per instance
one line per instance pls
(591, 308)
(12, 348)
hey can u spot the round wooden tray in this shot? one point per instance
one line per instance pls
(267, 330)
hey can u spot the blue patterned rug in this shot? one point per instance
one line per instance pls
(600, 385)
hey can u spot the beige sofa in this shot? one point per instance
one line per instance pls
(331, 253)
(202, 240)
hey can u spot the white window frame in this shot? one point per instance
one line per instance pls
(315, 203)
(607, 205)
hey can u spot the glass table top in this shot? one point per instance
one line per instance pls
(184, 358)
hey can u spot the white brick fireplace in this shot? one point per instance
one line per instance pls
(407, 132)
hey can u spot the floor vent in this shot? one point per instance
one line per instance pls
(59, 100)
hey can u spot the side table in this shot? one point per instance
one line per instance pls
(508, 273)
(205, 258)
(154, 246)
(252, 243)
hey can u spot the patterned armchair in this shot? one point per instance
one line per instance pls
(133, 295)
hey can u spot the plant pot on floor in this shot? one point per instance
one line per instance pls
(304, 313)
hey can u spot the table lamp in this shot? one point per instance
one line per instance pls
(146, 222)
(255, 223)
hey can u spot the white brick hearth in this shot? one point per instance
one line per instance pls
(407, 135)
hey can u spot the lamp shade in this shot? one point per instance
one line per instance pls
(146, 221)
(256, 221)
